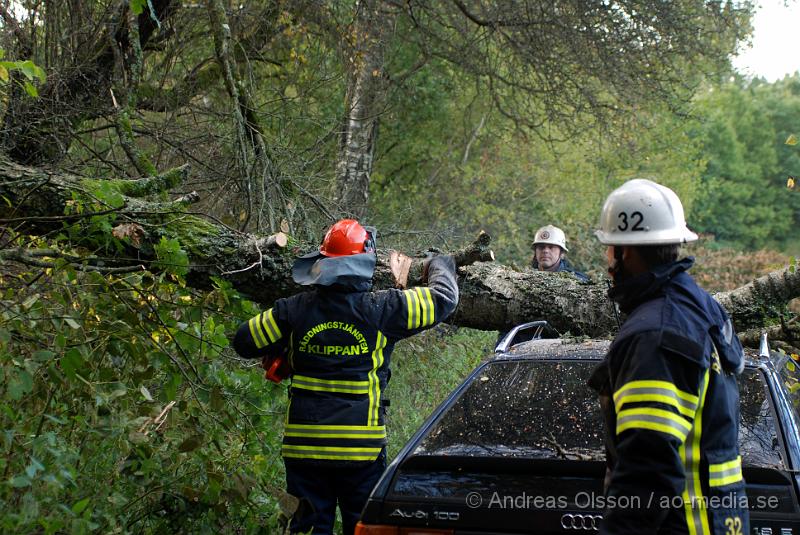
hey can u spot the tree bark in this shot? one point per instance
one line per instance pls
(493, 296)
(363, 104)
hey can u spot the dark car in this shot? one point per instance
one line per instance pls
(518, 448)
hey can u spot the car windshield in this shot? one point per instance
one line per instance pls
(523, 409)
(544, 409)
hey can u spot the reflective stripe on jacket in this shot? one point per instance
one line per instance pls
(339, 345)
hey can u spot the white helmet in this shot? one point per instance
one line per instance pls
(552, 235)
(641, 212)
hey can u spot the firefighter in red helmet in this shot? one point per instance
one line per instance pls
(339, 337)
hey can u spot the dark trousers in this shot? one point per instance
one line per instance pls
(325, 485)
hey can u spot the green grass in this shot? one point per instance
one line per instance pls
(425, 369)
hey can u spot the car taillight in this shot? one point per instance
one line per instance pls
(374, 529)
(379, 529)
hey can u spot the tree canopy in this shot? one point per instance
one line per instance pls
(162, 162)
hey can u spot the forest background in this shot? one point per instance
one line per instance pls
(123, 408)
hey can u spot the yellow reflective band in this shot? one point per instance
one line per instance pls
(256, 333)
(725, 473)
(426, 302)
(266, 327)
(656, 385)
(270, 326)
(377, 432)
(654, 420)
(330, 381)
(413, 309)
(330, 385)
(665, 398)
(423, 319)
(722, 467)
(722, 481)
(432, 316)
(330, 452)
(694, 504)
(374, 383)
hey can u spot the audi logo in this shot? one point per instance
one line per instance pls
(581, 522)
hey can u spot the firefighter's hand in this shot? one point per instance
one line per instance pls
(425, 264)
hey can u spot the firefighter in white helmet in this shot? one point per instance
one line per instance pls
(549, 248)
(668, 386)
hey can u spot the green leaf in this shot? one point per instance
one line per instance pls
(171, 257)
(20, 385)
(34, 468)
(43, 355)
(29, 302)
(80, 505)
(137, 438)
(20, 481)
(71, 362)
(72, 323)
(137, 6)
(146, 393)
(191, 443)
(3, 73)
(30, 89)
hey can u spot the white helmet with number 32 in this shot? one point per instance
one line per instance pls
(641, 212)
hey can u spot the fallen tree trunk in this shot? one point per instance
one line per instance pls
(493, 296)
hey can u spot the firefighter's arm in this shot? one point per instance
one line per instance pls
(656, 396)
(262, 335)
(421, 307)
(425, 306)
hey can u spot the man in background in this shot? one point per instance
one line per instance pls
(549, 250)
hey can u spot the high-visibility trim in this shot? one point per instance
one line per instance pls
(725, 473)
(668, 396)
(259, 338)
(330, 385)
(654, 420)
(662, 388)
(373, 415)
(693, 502)
(270, 327)
(428, 311)
(424, 308)
(263, 329)
(336, 453)
(413, 305)
(335, 431)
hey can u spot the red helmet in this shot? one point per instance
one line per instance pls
(344, 238)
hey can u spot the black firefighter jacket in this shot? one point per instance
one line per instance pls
(671, 402)
(339, 341)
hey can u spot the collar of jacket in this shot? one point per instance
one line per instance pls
(342, 273)
(647, 286)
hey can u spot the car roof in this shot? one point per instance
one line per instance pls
(582, 349)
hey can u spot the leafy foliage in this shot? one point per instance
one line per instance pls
(742, 199)
(124, 410)
(28, 69)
